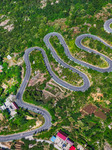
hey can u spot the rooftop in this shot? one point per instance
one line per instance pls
(1, 67)
(69, 141)
(72, 148)
(90, 108)
(53, 138)
(15, 105)
(9, 57)
(62, 135)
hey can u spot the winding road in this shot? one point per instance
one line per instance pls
(83, 88)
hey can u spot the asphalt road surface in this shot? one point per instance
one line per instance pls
(79, 44)
(83, 88)
(107, 26)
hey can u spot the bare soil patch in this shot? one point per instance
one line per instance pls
(38, 124)
(18, 145)
(4, 86)
(108, 102)
(107, 146)
(7, 144)
(76, 30)
(106, 110)
(29, 118)
(83, 113)
(36, 79)
(1, 117)
(90, 108)
(43, 2)
(104, 14)
(97, 96)
(59, 23)
(52, 89)
(9, 27)
(11, 82)
(3, 23)
(47, 94)
(100, 114)
(13, 62)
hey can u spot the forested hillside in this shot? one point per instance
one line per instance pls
(24, 24)
(30, 20)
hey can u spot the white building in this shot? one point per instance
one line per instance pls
(63, 142)
(9, 57)
(1, 67)
(11, 106)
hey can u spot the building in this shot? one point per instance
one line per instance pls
(69, 143)
(62, 135)
(13, 108)
(9, 57)
(11, 98)
(72, 148)
(61, 138)
(1, 68)
(62, 141)
(15, 105)
(110, 126)
(53, 139)
(10, 106)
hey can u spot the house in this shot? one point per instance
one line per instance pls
(53, 139)
(62, 141)
(9, 57)
(69, 141)
(1, 67)
(11, 98)
(10, 106)
(62, 135)
(60, 138)
(3, 107)
(15, 105)
(12, 109)
(72, 148)
(110, 126)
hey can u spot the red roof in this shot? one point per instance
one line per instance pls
(15, 105)
(72, 148)
(62, 135)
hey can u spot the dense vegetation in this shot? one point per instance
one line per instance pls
(28, 13)
(35, 97)
(13, 72)
(34, 145)
(19, 123)
(97, 45)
